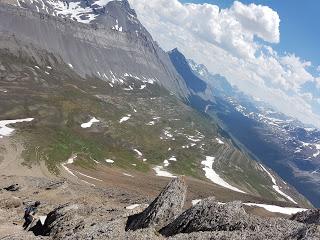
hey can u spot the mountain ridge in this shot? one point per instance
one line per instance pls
(279, 133)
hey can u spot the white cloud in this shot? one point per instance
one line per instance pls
(317, 81)
(225, 41)
(232, 29)
(259, 20)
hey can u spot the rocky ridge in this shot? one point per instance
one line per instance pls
(84, 219)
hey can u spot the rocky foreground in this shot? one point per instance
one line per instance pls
(83, 214)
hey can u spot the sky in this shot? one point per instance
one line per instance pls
(267, 48)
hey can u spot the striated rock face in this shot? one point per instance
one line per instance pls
(309, 217)
(163, 209)
(92, 49)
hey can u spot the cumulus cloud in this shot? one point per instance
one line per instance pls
(227, 42)
(232, 29)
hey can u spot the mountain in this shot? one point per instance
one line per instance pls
(281, 142)
(87, 95)
(180, 62)
(111, 43)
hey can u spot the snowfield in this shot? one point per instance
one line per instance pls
(269, 208)
(276, 187)
(214, 177)
(89, 124)
(277, 209)
(69, 161)
(7, 131)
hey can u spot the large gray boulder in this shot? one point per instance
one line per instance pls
(58, 221)
(309, 217)
(209, 215)
(212, 220)
(164, 209)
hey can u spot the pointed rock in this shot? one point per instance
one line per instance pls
(164, 209)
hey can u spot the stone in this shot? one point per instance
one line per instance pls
(166, 207)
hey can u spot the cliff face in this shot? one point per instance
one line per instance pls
(115, 44)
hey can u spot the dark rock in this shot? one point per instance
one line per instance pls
(13, 188)
(309, 217)
(166, 207)
(209, 215)
(54, 185)
(57, 218)
(310, 232)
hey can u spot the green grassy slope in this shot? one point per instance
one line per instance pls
(60, 101)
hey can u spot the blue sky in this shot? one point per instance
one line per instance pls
(267, 48)
(299, 26)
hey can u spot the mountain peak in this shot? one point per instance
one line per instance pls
(181, 64)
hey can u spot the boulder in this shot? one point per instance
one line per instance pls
(13, 188)
(166, 207)
(209, 215)
(58, 218)
(311, 216)
(10, 202)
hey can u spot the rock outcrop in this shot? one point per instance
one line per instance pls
(165, 208)
(309, 217)
(209, 215)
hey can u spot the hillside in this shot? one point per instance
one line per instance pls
(90, 99)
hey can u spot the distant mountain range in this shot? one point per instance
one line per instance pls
(281, 142)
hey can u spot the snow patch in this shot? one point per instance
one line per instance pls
(151, 123)
(138, 152)
(7, 131)
(214, 177)
(274, 208)
(195, 201)
(124, 119)
(219, 141)
(276, 187)
(133, 206)
(126, 174)
(69, 161)
(162, 173)
(89, 124)
(84, 175)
